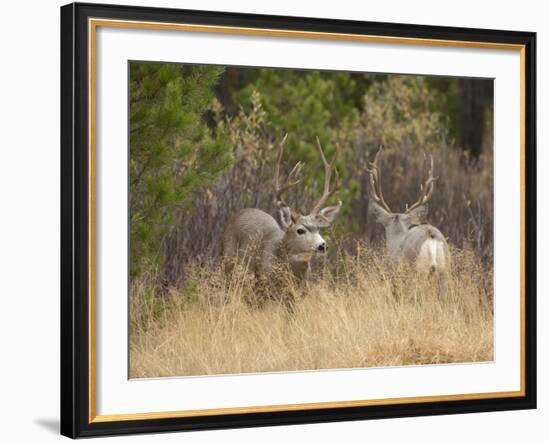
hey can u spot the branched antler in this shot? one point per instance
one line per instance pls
(426, 188)
(329, 168)
(373, 168)
(291, 180)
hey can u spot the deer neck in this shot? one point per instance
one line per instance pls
(299, 267)
(299, 263)
(394, 241)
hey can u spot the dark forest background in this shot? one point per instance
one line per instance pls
(203, 142)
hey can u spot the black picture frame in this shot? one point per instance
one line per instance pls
(75, 220)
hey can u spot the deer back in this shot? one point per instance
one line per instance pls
(251, 228)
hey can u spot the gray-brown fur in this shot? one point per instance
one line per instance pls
(407, 236)
(409, 239)
(255, 238)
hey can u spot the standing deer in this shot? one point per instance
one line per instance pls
(293, 240)
(409, 239)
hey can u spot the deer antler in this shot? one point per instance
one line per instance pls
(329, 167)
(426, 189)
(375, 176)
(291, 180)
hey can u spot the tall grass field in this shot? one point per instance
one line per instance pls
(363, 314)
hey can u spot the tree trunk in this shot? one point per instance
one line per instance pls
(471, 123)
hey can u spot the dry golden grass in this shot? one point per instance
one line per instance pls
(349, 318)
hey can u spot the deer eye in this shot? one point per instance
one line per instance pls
(301, 231)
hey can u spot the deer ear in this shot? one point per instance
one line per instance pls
(421, 212)
(328, 214)
(286, 218)
(380, 214)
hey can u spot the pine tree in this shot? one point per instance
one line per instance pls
(306, 104)
(173, 152)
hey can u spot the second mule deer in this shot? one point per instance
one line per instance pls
(409, 239)
(293, 240)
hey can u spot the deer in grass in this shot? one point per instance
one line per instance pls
(293, 240)
(409, 239)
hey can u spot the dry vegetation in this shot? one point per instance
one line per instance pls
(349, 318)
(188, 318)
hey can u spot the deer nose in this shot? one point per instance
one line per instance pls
(322, 247)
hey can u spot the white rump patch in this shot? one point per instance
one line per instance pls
(431, 256)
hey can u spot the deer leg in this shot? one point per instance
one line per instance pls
(396, 276)
(394, 287)
(230, 252)
(262, 274)
(290, 304)
(443, 286)
(261, 291)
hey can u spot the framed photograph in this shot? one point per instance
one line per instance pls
(279, 220)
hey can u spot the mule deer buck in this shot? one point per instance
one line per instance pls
(409, 239)
(293, 240)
